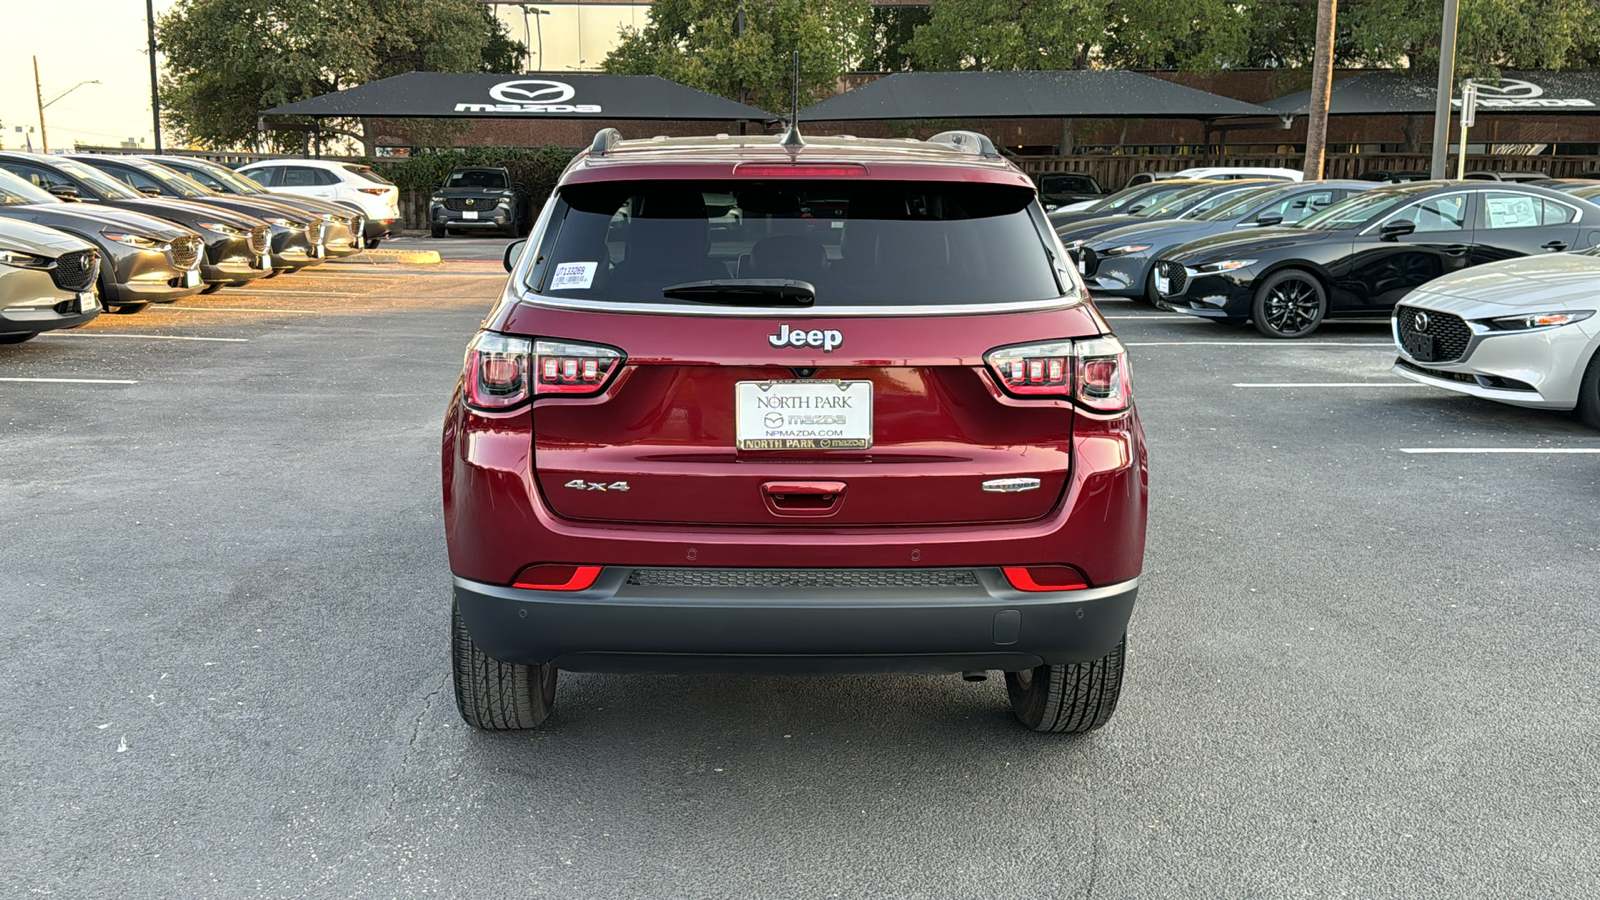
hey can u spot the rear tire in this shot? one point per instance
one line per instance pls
(497, 696)
(212, 287)
(373, 244)
(1069, 699)
(1588, 410)
(1290, 304)
(18, 338)
(128, 309)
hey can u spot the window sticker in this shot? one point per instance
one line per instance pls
(573, 276)
(1512, 212)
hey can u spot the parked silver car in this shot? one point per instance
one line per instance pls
(46, 280)
(1522, 331)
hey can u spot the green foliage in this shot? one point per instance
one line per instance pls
(533, 171)
(228, 59)
(891, 32)
(696, 42)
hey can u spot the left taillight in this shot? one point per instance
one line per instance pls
(1093, 372)
(496, 371)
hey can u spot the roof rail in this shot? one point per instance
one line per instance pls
(967, 142)
(604, 140)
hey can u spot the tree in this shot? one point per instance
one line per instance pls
(697, 43)
(1492, 35)
(226, 60)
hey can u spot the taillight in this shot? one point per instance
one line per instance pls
(496, 370)
(1045, 578)
(376, 191)
(1093, 372)
(546, 577)
(564, 367)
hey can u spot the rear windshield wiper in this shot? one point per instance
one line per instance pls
(745, 291)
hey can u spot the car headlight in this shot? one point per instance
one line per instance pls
(135, 240)
(282, 223)
(219, 228)
(435, 199)
(23, 260)
(1532, 321)
(1224, 266)
(504, 201)
(1128, 248)
(1072, 246)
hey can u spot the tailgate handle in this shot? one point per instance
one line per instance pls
(803, 498)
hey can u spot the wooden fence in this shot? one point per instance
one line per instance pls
(1113, 171)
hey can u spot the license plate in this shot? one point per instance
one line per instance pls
(86, 302)
(1083, 267)
(191, 278)
(1420, 346)
(1163, 283)
(265, 262)
(469, 215)
(803, 415)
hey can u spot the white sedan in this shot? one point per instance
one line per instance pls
(1522, 331)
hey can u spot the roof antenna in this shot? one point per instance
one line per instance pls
(791, 138)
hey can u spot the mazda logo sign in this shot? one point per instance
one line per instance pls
(1421, 324)
(532, 92)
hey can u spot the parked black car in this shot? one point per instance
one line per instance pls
(297, 235)
(1060, 188)
(473, 199)
(1120, 261)
(1358, 257)
(1187, 203)
(1386, 176)
(1127, 200)
(342, 234)
(143, 260)
(238, 247)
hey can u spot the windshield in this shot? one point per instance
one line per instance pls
(98, 180)
(1352, 212)
(1180, 201)
(221, 178)
(1068, 184)
(18, 191)
(480, 178)
(1231, 206)
(1145, 193)
(858, 244)
(182, 185)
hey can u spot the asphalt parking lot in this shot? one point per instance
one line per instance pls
(1359, 666)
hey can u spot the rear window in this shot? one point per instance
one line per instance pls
(859, 244)
(368, 174)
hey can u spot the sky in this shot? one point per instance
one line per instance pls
(107, 44)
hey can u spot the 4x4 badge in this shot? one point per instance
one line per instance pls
(578, 484)
(799, 337)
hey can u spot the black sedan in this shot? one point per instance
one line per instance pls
(297, 236)
(238, 247)
(1120, 261)
(143, 260)
(1358, 257)
(1188, 203)
(343, 235)
(1057, 189)
(1129, 200)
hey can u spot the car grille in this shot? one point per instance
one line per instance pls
(1449, 332)
(462, 204)
(1488, 381)
(314, 232)
(260, 240)
(1088, 261)
(883, 579)
(75, 271)
(185, 251)
(1177, 277)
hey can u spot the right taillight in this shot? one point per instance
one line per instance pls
(565, 367)
(1093, 372)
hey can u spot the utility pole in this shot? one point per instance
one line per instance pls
(38, 92)
(739, 25)
(1321, 91)
(155, 95)
(1447, 79)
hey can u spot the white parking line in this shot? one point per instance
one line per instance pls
(72, 380)
(1276, 345)
(1470, 450)
(146, 337)
(286, 312)
(1327, 384)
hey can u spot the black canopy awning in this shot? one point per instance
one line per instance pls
(1403, 94)
(541, 95)
(1062, 94)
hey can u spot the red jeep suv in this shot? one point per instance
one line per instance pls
(756, 405)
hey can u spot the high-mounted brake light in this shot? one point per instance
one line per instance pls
(566, 367)
(800, 170)
(1045, 578)
(546, 577)
(1093, 372)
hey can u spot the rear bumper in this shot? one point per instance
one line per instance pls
(618, 627)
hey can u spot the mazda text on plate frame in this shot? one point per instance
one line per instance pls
(836, 408)
(1522, 332)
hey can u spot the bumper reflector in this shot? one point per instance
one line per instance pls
(556, 578)
(1045, 578)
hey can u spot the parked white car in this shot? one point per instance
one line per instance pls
(1220, 173)
(350, 184)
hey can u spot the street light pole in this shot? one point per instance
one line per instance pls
(155, 96)
(1447, 78)
(38, 93)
